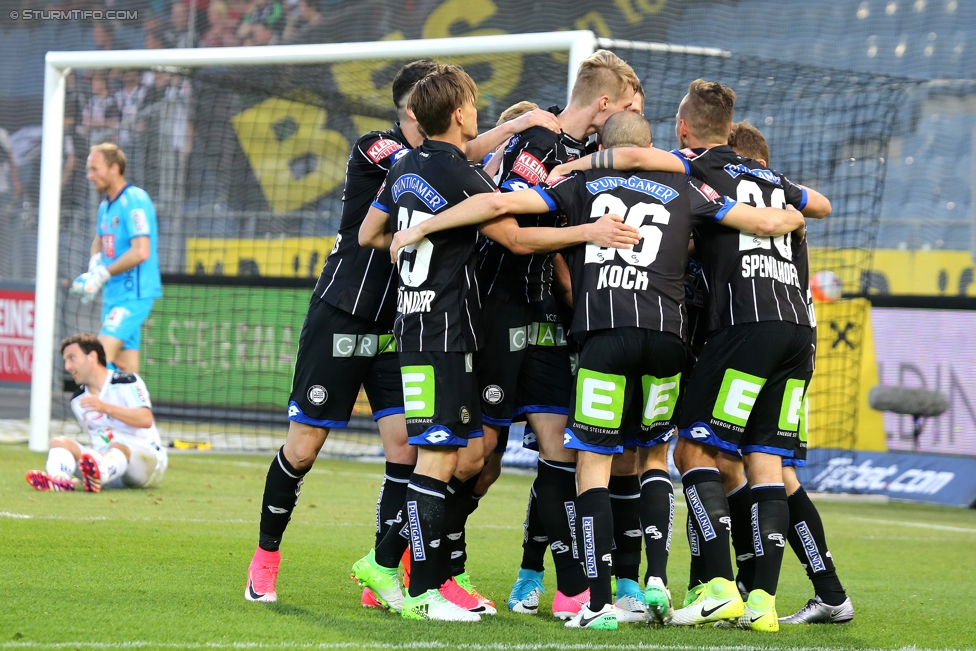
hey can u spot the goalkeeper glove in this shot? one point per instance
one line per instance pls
(94, 261)
(88, 284)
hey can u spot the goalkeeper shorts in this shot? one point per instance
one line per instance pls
(124, 321)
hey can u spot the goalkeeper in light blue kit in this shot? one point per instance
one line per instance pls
(123, 258)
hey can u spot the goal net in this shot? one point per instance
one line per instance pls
(243, 153)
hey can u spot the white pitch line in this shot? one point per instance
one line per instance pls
(325, 646)
(102, 518)
(915, 525)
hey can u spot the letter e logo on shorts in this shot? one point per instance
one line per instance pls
(660, 398)
(317, 394)
(600, 398)
(418, 391)
(493, 394)
(789, 413)
(737, 397)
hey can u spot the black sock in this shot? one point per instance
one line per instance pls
(556, 493)
(809, 543)
(657, 520)
(740, 509)
(697, 572)
(424, 510)
(625, 503)
(389, 504)
(282, 487)
(594, 527)
(770, 523)
(390, 549)
(534, 540)
(458, 507)
(706, 502)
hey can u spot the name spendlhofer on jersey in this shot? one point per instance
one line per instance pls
(438, 306)
(131, 214)
(529, 157)
(123, 390)
(360, 280)
(642, 286)
(750, 278)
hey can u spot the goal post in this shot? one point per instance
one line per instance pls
(576, 44)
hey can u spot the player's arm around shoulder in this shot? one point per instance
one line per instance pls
(488, 141)
(648, 159)
(765, 222)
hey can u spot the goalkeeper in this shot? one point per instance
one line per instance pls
(123, 258)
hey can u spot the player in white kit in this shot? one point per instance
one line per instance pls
(115, 410)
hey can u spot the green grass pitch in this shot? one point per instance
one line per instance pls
(165, 568)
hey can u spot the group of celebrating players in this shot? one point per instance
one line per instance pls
(551, 282)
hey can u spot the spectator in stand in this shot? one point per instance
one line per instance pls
(155, 39)
(302, 22)
(104, 35)
(130, 101)
(270, 13)
(10, 188)
(177, 32)
(100, 117)
(263, 33)
(222, 32)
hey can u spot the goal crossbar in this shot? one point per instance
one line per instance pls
(578, 44)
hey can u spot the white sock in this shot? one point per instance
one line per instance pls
(61, 463)
(112, 464)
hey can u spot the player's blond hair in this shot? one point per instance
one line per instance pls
(603, 73)
(516, 111)
(626, 129)
(748, 141)
(708, 108)
(112, 155)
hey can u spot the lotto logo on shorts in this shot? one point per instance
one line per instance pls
(599, 398)
(660, 398)
(418, 391)
(737, 397)
(789, 413)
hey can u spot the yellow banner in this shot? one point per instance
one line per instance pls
(919, 273)
(846, 371)
(287, 257)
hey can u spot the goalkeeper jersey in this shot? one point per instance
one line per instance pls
(131, 214)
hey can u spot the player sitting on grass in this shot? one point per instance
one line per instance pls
(114, 410)
(629, 316)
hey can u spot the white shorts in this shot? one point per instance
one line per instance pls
(147, 464)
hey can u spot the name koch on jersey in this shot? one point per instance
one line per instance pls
(750, 278)
(355, 279)
(642, 286)
(528, 159)
(438, 307)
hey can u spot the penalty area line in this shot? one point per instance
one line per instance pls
(327, 646)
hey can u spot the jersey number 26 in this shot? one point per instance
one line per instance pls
(645, 252)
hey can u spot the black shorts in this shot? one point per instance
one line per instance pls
(440, 398)
(525, 364)
(747, 390)
(627, 389)
(338, 354)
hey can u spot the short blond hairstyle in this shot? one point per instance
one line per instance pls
(748, 141)
(603, 73)
(112, 155)
(516, 111)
